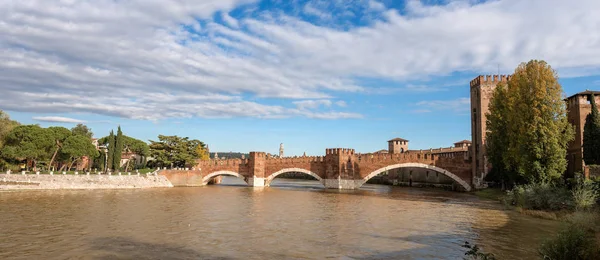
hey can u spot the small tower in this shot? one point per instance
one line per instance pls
(216, 156)
(281, 150)
(397, 145)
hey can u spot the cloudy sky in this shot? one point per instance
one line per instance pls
(247, 75)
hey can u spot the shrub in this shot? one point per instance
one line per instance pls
(574, 241)
(540, 197)
(474, 253)
(584, 194)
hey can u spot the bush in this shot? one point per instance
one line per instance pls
(540, 197)
(575, 241)
(584, 194)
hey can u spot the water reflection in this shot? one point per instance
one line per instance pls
(292, 219)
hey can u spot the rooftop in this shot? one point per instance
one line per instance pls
(463, 142)
(398, 139)
(586, 92)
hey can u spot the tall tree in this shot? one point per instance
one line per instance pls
(59, 135)
(497, 135)
(118, 151)
(591, 135)
(30, 142)
(81, 129)
(536, 124)
(111, 149)
(76, 147)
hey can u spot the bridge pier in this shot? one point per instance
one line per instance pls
(342, 184)
(254, 181)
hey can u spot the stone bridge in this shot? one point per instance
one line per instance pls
(340, 168)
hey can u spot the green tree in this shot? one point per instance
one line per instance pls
(110, 143)
(6, 125)
(75, 147)
(537, 128)
(28, 142)
(81, 129)
(497, 135)
(591, 135)
(118, 151)
(59, 135)
(175, 151)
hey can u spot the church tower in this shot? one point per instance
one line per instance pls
(280, 150)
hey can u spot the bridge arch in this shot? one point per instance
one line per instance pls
(207, 178)
(457, 179)
(286, 170)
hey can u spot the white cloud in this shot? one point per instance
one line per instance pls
(376, 5)
(139, 59)
(230, 20)
(341, 103)
(312, 104)
(456, 105)
(58, 119)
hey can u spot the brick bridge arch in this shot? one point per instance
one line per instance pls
(340, 168)
(457, 179)
(269, 179)
(208, 177)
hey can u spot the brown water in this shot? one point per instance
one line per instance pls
(293, 220)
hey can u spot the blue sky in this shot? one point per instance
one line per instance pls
(246, 75)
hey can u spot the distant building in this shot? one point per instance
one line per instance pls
(397, 145)
(281, 150)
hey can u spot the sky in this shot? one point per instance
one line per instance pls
(247, 75)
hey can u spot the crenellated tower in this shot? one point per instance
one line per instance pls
(482, 88)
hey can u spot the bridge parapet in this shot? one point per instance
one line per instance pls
(302, 159)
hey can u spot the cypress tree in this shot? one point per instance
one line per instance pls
(591, 135)
(118, 149)
(111, 150)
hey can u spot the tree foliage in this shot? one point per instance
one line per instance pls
(175, 151)
(110, 143)
(81, 129)
(118, 149)
(30, 142)
(59, 135)
(591, 135)
(202, 153)
(528, 131)
(77, 146)
(6, 125)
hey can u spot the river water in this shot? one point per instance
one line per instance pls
(293, 219)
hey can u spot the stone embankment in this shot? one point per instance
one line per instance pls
(82, 181)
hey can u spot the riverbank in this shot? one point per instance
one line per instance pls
(82, 181)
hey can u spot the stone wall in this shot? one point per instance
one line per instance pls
(59, 181)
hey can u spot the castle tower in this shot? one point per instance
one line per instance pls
(280, 150)
(397, 145)
(482, 89)
(578, 107)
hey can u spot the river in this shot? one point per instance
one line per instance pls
(293, 219)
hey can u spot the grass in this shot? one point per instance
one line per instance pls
(490, 194)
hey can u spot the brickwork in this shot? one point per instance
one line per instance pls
(339, 168)
(482, 88)
(578, 107)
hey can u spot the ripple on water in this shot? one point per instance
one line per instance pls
(291, 220)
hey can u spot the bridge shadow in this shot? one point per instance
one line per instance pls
(127, 248)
